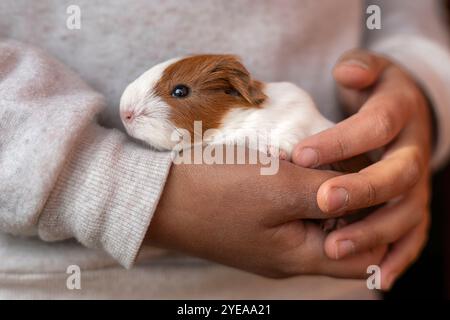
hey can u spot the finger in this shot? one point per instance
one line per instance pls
(352, 100)
(291, 194)
(381, 227)
(384, 180)
(375, 125)
(353, 266)
(359, 69)
(310, 258)
(402, 165)
(403, 253)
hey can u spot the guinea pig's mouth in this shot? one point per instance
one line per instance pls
(160, 133)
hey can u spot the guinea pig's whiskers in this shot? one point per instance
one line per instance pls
(139, 120)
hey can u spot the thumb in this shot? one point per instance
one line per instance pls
(359, 69)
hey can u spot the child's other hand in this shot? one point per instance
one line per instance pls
(233, 215)
(391, 112)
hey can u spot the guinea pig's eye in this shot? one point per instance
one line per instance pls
(231, 92)
(180, 91)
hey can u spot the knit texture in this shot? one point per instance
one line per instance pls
(106, 194)
(63, 176)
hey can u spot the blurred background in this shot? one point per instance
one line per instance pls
(429, 278)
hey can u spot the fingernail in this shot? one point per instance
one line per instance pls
(356, 63)
(337, 198)
(344, 248)
(308, 158)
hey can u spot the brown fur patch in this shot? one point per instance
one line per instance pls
(209, 78)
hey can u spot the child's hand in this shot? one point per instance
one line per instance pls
(232, 215)
(393, 113)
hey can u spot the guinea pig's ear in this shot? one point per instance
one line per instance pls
(230, 69)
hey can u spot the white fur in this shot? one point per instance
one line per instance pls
(286, 117)
(151, 114)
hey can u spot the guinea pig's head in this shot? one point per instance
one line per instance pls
(174, 94)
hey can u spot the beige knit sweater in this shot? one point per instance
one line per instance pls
(73, 191)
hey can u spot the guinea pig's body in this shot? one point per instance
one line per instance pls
(287, 116)
(218, 91)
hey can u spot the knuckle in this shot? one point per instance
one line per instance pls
(371, 192)
(415, 165)
(385, 125)
(412, 169)
(341, 149)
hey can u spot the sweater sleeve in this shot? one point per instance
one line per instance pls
(61, 174)
(413, 33)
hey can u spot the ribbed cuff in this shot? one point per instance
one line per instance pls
(429, 63)
(106, 194)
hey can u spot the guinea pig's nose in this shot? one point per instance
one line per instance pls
(128, 115)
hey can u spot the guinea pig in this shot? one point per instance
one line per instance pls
(220, 92)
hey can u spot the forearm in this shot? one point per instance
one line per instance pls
(62, 175)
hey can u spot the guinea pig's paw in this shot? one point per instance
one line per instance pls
(283, 155)
(329, 225)
(273, 151)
